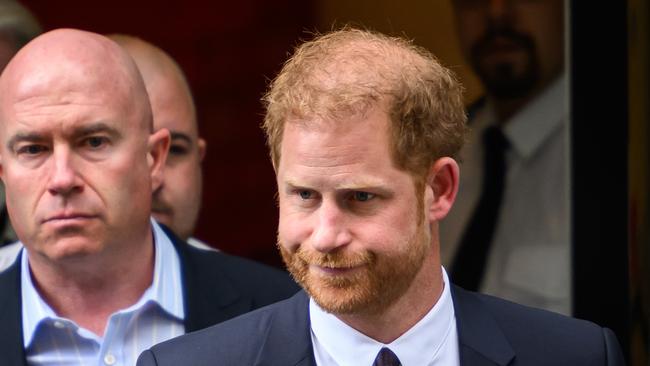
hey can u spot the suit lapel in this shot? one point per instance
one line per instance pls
(208, 296)
(12, 351)
(480, 340)
(288, 338)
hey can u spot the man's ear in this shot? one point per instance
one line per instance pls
(158, 147)
(442, 181)
(202, 147)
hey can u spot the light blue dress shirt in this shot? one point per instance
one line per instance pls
(157, 316)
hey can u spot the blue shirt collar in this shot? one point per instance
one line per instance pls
(165, 290)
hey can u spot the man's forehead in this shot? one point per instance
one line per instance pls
(62, 59)
(72, 67)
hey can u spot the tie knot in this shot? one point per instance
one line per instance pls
(386, 357)
(495, 140)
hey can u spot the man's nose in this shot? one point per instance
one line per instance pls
(64, 178)
(499, 11)
(331, 231)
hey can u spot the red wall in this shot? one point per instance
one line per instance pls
(229, 50)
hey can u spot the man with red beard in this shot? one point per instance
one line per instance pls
(363, 130)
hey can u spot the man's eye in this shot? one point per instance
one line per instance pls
(31, 149)
(96, 141)
(305, 195)
(362, 196)
(178, 150)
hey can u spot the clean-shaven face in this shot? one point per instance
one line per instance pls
(74, 148)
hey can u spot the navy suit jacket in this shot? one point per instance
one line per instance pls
(216, 287)
(491, 332)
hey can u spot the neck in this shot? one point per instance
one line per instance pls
(88, 290)
(389, 324)
(505, 108)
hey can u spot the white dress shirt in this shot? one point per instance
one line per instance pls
(157, 316)
(432, 341)
(530, 258)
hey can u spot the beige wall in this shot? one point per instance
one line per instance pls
(429, 23)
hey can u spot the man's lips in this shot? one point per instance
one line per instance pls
(160, 207)
(334, 270)
(68, 217)
(161, 211)
(501, 45)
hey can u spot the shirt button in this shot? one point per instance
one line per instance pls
(109, 359)
(59, 324)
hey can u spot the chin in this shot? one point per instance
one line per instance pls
(71, 248)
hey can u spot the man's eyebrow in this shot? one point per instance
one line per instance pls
(24, 137)
(85, 130)
(181, 136)
(94, 128)
(353, 185)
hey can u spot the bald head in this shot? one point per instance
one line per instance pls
(66, 60)
(177, 201)
(165, 82)
(77, 148)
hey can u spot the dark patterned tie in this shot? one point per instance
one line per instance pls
(469, 263)
(386, 357)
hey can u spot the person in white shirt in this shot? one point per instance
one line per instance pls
(363, 131)
(517, 50)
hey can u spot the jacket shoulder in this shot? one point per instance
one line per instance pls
(234, 342)
(262, 283)
(539, 336)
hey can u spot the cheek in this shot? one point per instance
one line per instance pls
(392, 229)
(23, 188)
(183, 177)
(470, 26)
(293, 229)
(122, 183)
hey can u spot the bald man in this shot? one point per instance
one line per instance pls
(79, 161)
(176, 202)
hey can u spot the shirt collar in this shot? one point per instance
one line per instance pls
(531, 126)
(418, 346)
(165, 289)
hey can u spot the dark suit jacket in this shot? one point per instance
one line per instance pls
(490, 331)
(216, 287)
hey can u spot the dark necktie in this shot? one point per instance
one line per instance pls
(469, 263)
(386, 357)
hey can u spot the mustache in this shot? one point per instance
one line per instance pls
(337, 259)
(160, 206)
(494, 33)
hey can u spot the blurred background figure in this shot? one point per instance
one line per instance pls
(17, 27)
(177, 202)
(509, 233)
